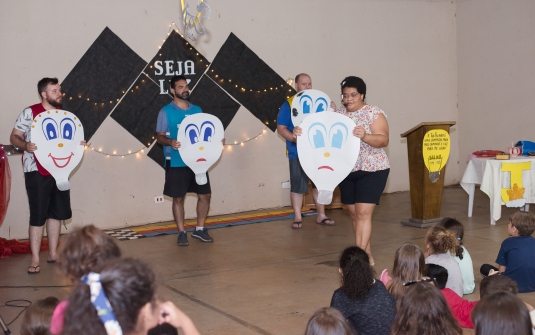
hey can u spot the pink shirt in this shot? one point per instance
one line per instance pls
(370, 159)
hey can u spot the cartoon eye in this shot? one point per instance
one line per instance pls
(338, 134)
(321, 105)
(207, 131)
(192, 132)
(68, 128)
(50, 128)
(317, 134)
(306, 103)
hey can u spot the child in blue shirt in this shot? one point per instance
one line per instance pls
(516, 258)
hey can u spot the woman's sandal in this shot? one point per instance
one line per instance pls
(297, 225)
(36, 269)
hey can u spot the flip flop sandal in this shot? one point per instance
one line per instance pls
(297, 225)
(324, 222)
(51, 261)
(35, 271)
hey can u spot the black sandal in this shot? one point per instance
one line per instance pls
(297, 225)
(35, 271)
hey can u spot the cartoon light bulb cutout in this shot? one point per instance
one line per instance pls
(57, 135)
(200, 138)
(309, 102)
(327, 151)
(435, 150)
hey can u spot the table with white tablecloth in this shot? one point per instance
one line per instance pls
(487, 173)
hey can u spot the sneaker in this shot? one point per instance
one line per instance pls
(202, 235)
(182, 239)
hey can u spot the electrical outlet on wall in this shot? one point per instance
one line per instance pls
(286, 184)
(159, 199)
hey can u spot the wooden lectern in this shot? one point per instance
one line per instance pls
(426, 196)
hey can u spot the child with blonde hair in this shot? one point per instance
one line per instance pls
(461, 254)
(441, 245)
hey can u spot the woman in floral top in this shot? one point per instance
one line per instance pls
(363, 187)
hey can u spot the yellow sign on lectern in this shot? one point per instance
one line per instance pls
(436, 150)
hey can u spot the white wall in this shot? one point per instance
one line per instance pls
(496, 64)
(404, 50)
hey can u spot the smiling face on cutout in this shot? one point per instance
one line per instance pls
(200, 138)
(57, 134)
(327, 149)
(308, 102)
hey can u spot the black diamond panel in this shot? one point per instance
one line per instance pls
(138, 111)
(240, 72)
(97, 81)
(213, 100)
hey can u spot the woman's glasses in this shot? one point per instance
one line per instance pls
(351, 96)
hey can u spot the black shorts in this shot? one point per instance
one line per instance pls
(181, 180)
(363, 187)
(46, 201)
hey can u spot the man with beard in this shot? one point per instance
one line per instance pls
(47, 204)
(180, 179)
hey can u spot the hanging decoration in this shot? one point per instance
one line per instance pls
(193, 21)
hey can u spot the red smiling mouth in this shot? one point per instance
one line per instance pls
(325, 167)
(201, 160)
(61, 160)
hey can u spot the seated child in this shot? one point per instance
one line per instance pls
(516, 258)
(501, 313)
(461, 254)
(423, 310)
(328, 321)
(362, 300)
(37, 318)
(409, 265)
(460, 308)
(441, 245)
(84, 250)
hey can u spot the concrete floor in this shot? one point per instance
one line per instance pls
(266, 278)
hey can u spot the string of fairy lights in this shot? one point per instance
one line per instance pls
(120, 95)
(114, 153)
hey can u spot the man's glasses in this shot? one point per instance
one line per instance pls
(425, 280)
(352, 96)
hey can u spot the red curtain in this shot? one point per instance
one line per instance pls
(5, 183)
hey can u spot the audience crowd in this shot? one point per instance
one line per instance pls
(422, 295)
